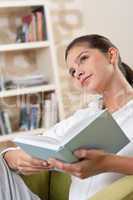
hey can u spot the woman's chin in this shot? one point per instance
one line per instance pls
(91, 90)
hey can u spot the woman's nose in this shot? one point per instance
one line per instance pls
(78, 74)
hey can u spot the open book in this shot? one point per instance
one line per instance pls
(98, 132)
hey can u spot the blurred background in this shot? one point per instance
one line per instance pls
(72, 18)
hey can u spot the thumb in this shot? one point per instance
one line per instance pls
(51, 161)
(89, 154)
(55, 163)
(81, 153)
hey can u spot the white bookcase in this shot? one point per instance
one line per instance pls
(42, 51)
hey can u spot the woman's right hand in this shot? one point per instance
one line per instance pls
(20, 161)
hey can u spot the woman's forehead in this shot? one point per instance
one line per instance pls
(76, 50)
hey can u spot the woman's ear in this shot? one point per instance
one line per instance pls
(113, 55)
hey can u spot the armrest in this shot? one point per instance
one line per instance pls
(119, 190)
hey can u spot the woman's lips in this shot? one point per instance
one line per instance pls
(85, 79)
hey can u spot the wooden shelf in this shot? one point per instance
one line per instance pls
(24, 46)
(28, 90)
(20, 3)
(13, 135)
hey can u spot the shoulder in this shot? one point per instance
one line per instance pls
(127, 108)
(124, 117)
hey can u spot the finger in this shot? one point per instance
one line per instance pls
(30, 165)
(79, 169)
(55, 163)
(60, 165)
(85, 153)
(35, 161)
(31, 162)
(31, 170)
(38, 162)
(81, 153)
(70, 168)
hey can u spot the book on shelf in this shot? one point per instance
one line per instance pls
(100, 131)
(34, 116)
(5, 123)
(27, 28)
(24, 121)
(2, 83)
(33, 27)
(27, 81)
(46, 113)
(40, 34)
(29, 117)
(41, 30)
(49, 111)
(54, 109)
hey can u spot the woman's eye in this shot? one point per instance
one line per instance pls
(72, 72)
(83, 58)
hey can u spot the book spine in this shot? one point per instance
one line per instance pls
(26, 31)
(7, 123)
(39, 16)
(30, 34)
(54, 110)
(2, 125)
(34, 116)
(46, 117)
(24, 118)
(45, 37)
(27, 20)
(2, 83)
(33, 23)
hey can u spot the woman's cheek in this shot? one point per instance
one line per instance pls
(93, 85)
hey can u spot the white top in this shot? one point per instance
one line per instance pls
(83, 189)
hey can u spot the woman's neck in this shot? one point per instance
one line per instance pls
(117, 93)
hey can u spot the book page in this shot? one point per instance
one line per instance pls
(39, 140)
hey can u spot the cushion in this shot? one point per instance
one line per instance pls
(59, 186)
(38, 184)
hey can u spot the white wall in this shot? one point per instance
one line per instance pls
(113, 19)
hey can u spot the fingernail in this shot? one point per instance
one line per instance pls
(50, 160)
(77, 152)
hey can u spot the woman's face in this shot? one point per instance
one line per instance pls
(89, 68)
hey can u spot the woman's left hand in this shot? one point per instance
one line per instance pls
(92, 162)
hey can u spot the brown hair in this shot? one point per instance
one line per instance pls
(103, 44)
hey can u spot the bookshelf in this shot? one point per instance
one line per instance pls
(24, 46)
(28, 69)
(30, 90)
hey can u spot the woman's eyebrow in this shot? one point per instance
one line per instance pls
(85, 51)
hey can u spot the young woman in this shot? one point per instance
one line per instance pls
(94, 64)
